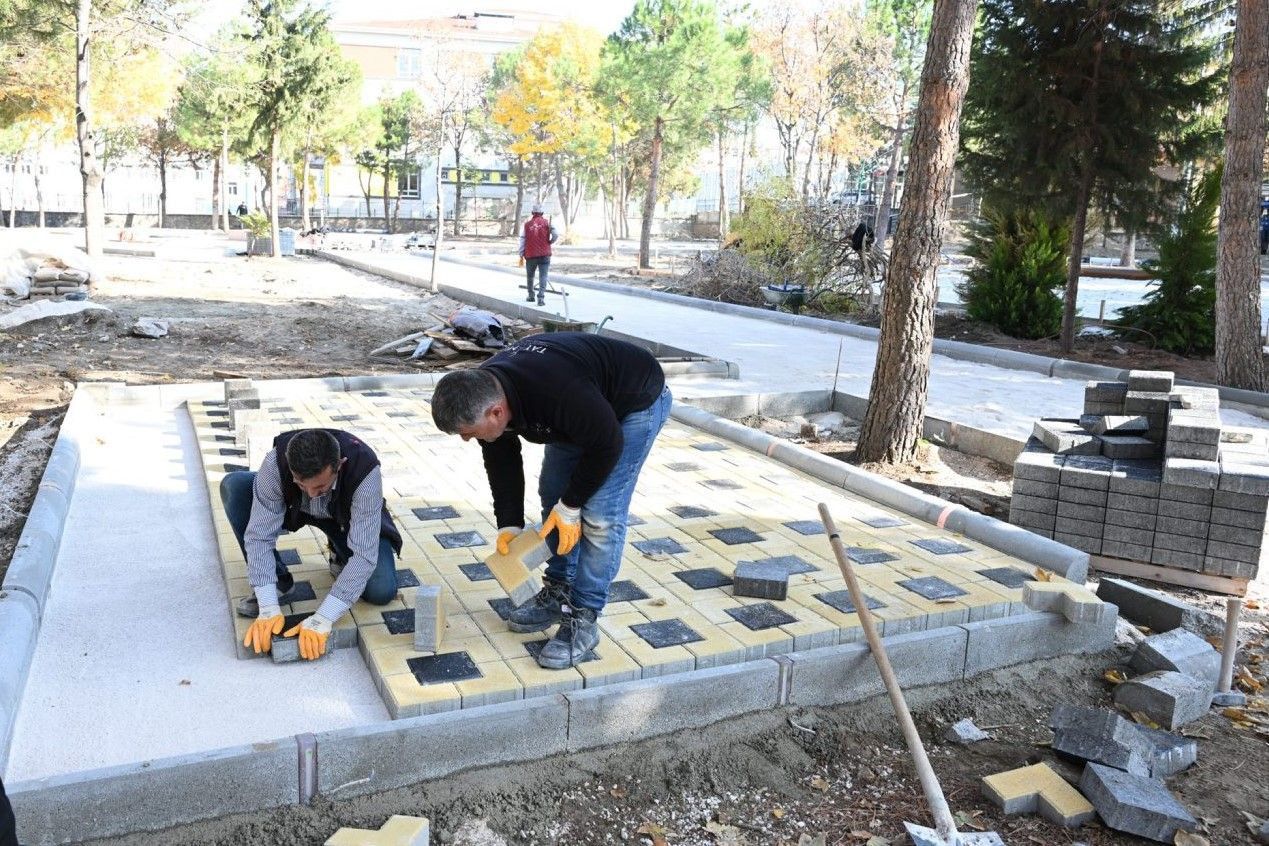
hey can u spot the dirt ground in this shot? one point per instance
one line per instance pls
(830, 776)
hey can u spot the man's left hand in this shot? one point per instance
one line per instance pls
(568, 522)
(313, 632)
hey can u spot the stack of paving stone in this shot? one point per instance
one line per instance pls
(1148, 474)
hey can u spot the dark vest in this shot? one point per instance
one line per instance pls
(361, 460)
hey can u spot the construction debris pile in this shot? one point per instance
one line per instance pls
(464, 336)
(45, 272)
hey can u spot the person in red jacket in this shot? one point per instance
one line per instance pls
(535, 249)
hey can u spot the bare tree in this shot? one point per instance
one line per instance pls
(900, 379)
(1239, 356)
(89, 168)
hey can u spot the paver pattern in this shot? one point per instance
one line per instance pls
(702, 506)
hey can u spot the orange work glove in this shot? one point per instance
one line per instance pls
(505, 536)
(263, 628)
(313, 632)
(568, 522)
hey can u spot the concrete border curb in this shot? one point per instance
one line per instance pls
(1010, 359)
(30, 574)
(1061, 559)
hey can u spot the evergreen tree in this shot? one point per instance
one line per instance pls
(1072, 104)
(1180, 313)
(1020, 264)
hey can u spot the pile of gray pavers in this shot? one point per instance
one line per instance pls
(1126, 762)
(1148, 474)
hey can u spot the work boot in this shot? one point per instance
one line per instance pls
(540, 612)
(248, 606)
(542, 301)
(573, 642)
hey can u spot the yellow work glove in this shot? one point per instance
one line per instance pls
(313, 632)
(505, 536)
(568, 522)
(262, 629)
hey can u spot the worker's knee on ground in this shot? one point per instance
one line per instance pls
(379, 593)
(233, 484)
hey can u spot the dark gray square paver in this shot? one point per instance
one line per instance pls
(682, 466)
(666, 546)
(840, 599)
(691, 512)
(792, 564)
(289, 557)
(932, 587)
(301, 592)
(446, 667)
(882, 522)
(625, 591)
(663, 633)
(712, 446)
(763, 615)
(1010, 577)
(435, 512)
(806, 527)
(941, 546)
(704, 578)
(406, 578)
(736, 534)
(476, 571)
(864, 555)
(502, 606)
(400, 621)
(722, 484)
(458, 540)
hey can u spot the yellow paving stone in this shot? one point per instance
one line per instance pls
(377, 637)
(365, 613)
(393, 660)
(658, 662)
(760, 643)
(511, 644)
(541, 682)
(1038, 789)
(716, 650)
(811, 631)
(397, 831)
(612, 665)
(617, 626)
(496, 684)
(407, 698)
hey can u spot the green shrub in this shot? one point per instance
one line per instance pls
(774, 237)
(257, 223)
(1019, 265)
(1180, 312)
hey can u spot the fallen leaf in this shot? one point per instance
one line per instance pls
(946, 600)
(969, 820)
(654, 832)
(878, 840)
(618, 792)
(819, 783)
(185, 683)
(861, 835)
(778, 813)
(659, 602)
(725, 835)
(1251, 605)
(1196, 732)
(1115, 676)
(820, 839)
(1142, 719)
(1248, 682)
(1185, 838)
(1042, 575)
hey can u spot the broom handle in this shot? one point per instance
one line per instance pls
(943, 821)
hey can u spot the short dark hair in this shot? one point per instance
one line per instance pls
(462, 397)
(311, 451)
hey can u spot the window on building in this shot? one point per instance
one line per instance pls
(409, 63)
(408, 185)
(233, 189)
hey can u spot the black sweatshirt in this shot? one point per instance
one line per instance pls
(566, 387)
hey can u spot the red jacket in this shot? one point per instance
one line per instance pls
(537, 237)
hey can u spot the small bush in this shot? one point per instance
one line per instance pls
(1180, 312)
(1019, 265)
(774, 236)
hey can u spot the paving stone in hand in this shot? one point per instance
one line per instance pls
(406, 578)
(882, 522)
(841, 600)
(806, 527)
(446, 667)
(690, 512)
(704, 578)
(663, 633)
(941, 546)
(665, 546)
(435, 512)
(932, 587)
(682, 466)
(722, 484)
(476, 571)
(400, 621)
(533, 647)
(792, 564)
(625, 591)
(458, 540)
(863, 555)
(712, 446)
(1007, 576)
(763, 615)
(737, 534)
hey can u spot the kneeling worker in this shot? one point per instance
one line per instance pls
(598, 404)
(312, 477)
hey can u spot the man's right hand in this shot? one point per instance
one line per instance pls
(262, 629)
(505, 536)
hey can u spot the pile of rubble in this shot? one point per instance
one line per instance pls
(43, 272)
(465, 335)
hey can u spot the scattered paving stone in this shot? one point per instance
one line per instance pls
(964, 731)
(1038, 789)
(397, 831)
(1169, 698)
(762, 581)
(1135, 804)
(1180, 650)
(1229, 699)
(792, 564)
(762, 615)
(1170, 753)
(1101, 736)
(703, 578)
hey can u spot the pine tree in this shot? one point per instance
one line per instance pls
(1072, 104)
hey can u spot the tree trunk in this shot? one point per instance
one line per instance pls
(458, 187)
(305, 197)
(900, 380)
(275, 145)
(650, 199)
(39, 193)
(89, 168)
(615, 198)
(515, 218)
(13, 195)
(216, 198)
(723, 222)
(1239, 356)
(1128, 255)
(387, 213)
(882, 224)
(440, 216)
(223, 185)
(811, 148)
(1082, 190)
(162, 187)
(740, 182)
(562, 193)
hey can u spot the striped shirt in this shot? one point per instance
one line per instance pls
(268, 509)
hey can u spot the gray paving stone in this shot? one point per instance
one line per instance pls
(1197, 452)
(1129, 551)
(1031, 636)
(620, 713)
(1233, 534)
(1156, 610)
(1081, 496)
(1033, 520)
(1037, 462)
(1146, 402)
(1075, 526)
(764, 581)
(1118, 424)
(1191, 472)
(1187, 427)
(1086, 513)
(1255, 503)
(1178, 558)
(1138, 477)
(1150, 380)
(1087, 471)
(1233, 551)
(1135, 804)
(1132, 502)
(1194, 529)
(1101, 736)
(1042, 505)
(1065, 437)
(1171, 753)
(1184, 510)
(1031, 487)
(1105, 391)
(1186, 493)
(1169, 698)
(1093, 546)
(1128, 534)
(1128, 446)
(1130, 519)
(1233, 569)
(1179, 650)
(1234, 517)
(1244, 478)
(1193, 396)
(834, 675)
(1104, 408)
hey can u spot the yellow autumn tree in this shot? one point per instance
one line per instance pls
(550, 110)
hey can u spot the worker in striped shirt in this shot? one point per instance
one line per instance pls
(325, 478)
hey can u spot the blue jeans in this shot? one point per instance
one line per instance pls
(591, 566)
(542, 264)
(237, 494)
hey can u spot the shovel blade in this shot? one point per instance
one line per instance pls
(922, 836)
